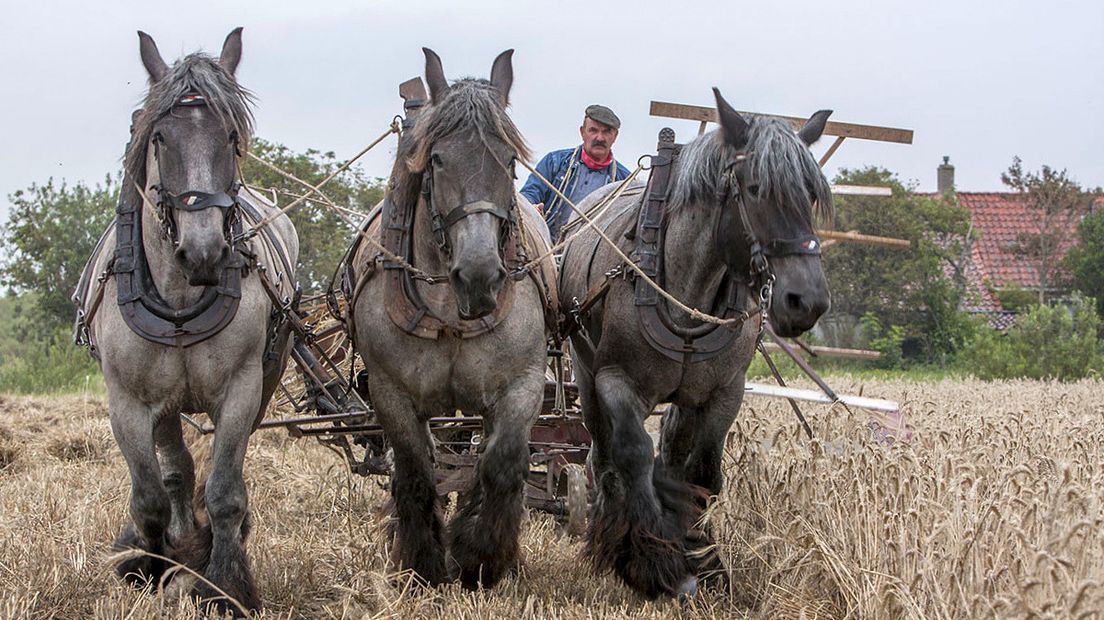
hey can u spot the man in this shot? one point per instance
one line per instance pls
(579, 171)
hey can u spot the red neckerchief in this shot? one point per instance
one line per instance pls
(594, 165)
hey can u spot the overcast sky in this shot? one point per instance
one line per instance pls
(980, 81)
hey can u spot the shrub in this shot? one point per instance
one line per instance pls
(1047, 342)
(49, 366)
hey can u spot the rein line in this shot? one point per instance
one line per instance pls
(693, 312)
(394, 128)
(340, 212)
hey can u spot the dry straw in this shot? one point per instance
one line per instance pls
(994, 511)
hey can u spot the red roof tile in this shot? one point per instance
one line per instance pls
(1000, 221)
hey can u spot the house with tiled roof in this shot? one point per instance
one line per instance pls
(1001, 222)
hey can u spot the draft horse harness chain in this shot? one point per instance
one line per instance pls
(707, 340)
(141, 305)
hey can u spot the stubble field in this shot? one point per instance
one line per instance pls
(994, 509)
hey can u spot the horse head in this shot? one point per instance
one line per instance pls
(772, 187)
(465, 147)
(188, 138)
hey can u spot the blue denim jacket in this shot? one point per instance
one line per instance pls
(554, 167)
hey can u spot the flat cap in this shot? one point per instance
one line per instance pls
(603, 115)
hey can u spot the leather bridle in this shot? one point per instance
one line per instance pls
(442, 221)
(760, 276)
(169, 203)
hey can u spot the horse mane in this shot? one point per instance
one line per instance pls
(469, 103)
(788, 175)
(199, 74)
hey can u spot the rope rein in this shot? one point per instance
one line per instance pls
(436, 279)
(693, 312)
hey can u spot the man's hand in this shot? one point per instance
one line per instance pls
(539, 207)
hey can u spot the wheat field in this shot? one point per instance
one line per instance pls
(993, 510)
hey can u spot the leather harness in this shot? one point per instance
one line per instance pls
(707, 340)
(405, 306)
(140, 304)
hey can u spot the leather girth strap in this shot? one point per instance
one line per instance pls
(142, 307)
(686, 345)
(406, 308)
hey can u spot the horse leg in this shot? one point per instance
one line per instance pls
(702, 467)
(641, 516)
(177, 475)
(150, 513)
(419, 525)
(483, 537)
(676, 439)
(703, 462)
(227, 566)
(597, 424)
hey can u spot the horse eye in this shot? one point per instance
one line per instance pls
(753, 190)
(436, 160)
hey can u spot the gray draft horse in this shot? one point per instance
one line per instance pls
(454, 174)
(183, 155)
(643, 522)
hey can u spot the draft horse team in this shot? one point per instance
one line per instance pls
(185, 300)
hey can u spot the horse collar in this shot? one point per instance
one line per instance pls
(679, 344)
(142, 307)
(405, 306)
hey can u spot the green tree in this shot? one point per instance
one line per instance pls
(323, 235)
(1085, 261)
(1055, 200)
(904, 292)
(50, 233)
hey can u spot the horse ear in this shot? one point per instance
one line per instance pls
(151, 58)
(733, 125)
(502, 75)
(814, 127)
(435, 75)
(231, 51)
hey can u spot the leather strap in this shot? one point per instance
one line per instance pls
(685, 345)
(143, 308)
(407, 310)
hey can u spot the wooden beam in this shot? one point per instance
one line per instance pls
(814, 396)
(854, 237)
(861, 190)
(847, 130)
(831, 150)
(851, 354)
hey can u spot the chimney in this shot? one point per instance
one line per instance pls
(945, 176)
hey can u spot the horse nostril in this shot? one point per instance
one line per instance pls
(794, 301)
(181, 256)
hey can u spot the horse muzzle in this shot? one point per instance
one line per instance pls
(202, 266)
(794, 311)
(476, 290)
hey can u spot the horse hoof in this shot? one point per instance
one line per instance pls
(687, 590)
(212, 601)
(137, 570)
